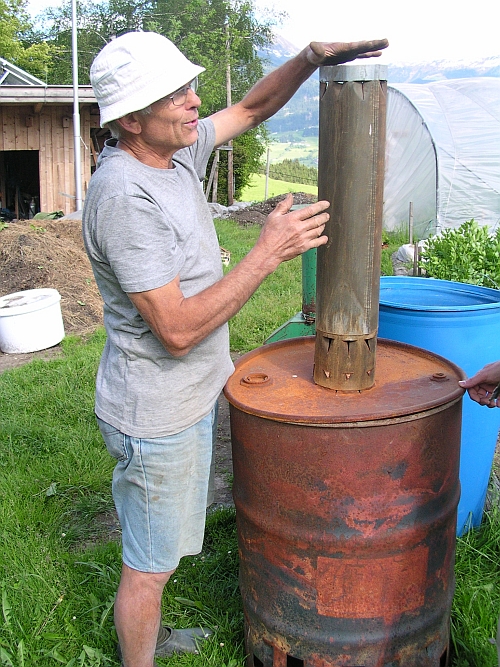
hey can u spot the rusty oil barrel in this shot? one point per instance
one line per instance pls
(346, 508)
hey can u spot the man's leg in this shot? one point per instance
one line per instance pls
(160, 488)
(138, 615)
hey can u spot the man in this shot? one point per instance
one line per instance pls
(156, 259)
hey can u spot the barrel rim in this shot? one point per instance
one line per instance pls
(447, 286)
(367, 417)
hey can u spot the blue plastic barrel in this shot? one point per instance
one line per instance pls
(462, 323)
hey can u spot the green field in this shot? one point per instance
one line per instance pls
(305, 150)
(256, 190)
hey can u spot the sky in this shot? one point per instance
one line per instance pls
(421, 31)
(418, 31)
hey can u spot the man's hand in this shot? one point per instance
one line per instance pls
(335, 53)
(481, 385)
(288, 234)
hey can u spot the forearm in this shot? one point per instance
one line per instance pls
(181, 322)
(273, 91)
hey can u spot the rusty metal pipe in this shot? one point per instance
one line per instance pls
(351, 177)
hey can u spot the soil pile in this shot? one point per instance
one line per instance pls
(50, 253)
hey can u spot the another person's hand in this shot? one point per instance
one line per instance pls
(481, 385)
(335, 53)
(287, 234)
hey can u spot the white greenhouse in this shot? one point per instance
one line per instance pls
(443, 154)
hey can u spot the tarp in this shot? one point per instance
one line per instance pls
(443, 154)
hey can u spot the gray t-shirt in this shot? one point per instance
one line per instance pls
(142, 227)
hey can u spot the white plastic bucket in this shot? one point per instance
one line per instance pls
(30, 320)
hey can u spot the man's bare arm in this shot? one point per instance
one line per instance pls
(272, 92)
(180, 323)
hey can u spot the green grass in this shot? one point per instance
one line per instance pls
(276, 300)
(59, 565)
(476, 605)
(392, 241)
(59, 569)
(255, 191)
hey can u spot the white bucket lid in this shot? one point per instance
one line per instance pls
(20, 303)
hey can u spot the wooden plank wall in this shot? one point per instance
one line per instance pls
(24, 129)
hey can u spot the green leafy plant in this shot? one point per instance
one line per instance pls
(468, 254)
(37, 229)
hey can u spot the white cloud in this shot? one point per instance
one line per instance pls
(420, 31)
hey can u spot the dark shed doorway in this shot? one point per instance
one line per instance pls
(19, 184)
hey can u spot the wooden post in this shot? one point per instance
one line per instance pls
(416, 257)
(410, 223)
(216, 176)
(266, 190)
(351, 176)
(230, 174)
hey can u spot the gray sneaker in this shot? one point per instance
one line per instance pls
(187, 640)
(172, 641)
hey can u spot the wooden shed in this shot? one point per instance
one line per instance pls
(37, 144)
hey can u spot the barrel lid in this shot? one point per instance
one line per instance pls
(27, 301)
(276, 382)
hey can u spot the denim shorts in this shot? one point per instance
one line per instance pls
(160, 489)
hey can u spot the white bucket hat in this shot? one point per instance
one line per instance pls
(135, 70)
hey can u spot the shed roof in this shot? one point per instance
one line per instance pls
(45, 94)
(19, 87)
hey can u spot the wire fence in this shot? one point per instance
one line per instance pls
(283, 175)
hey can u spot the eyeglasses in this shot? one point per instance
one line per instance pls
(179, 96)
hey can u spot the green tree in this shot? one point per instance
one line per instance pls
(97, 23)
(223, 37)
(220, 35)
(15, 45)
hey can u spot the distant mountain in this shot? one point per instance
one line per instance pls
(420, 72)
(279, 51)
(439, 70)
(300, 116)
(301, 112)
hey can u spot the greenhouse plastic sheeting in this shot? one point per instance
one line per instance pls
(443, 154)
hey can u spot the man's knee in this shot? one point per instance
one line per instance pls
(155, 581)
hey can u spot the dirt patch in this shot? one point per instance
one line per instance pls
(50, 253)
(257, 213)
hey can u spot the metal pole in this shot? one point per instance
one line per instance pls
(230, 164)
(351, 176)
(76, 112)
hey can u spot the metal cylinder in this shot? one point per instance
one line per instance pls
(346, 508)
(309, 261)
(351, 176)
